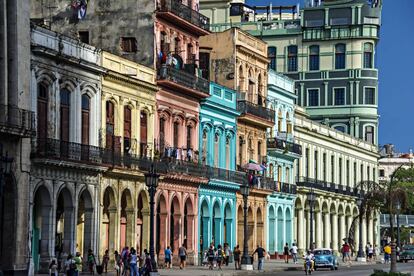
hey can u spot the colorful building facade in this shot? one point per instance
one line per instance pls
(217, 199)
(282, 152)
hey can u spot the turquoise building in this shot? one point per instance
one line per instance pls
(281, 155)
(217, 199)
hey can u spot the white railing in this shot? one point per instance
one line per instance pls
(281, 81)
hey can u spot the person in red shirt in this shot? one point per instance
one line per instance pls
(346, 256)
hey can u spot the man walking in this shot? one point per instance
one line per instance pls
(294, 252)
(260, 255)
(182, 251)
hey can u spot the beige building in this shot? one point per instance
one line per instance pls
(240, 63)
(333, 164)
(127, 131)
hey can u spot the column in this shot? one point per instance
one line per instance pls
(87, 231)
(68, 229)
(335, 232)
(217, 231)
(348, 225)
(318, 229)
(112, 227)
(364, 233)
(307, 231)
(145, 230)
(190, 231)
(176, 239)
(300, 230)
(342, 228)
(229, 231)
(206, 232)
(130, 227)
(163, 232)
(327, 231)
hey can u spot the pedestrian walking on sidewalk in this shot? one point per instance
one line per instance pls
(210, 255)
(260, 255)
(227, 253)
(182, 251)
(294, 252)
(91, 261)
(105, 261)
(219, 257)
(168, 257)
(133, 263)
(236, 254)
(118, 263)
(346, 257)
(286, 253)
(53, 268)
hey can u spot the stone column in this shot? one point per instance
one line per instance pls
(176, 239)
(190, 231)
(68, 229)
(319, 228)
(113, 224)
(364, 233)
(327, 231)
(301, 230)
(130, 227)
(145, 229)
(307, 231)
(335, 232)
(163, 232)
(371, 231)
(87, 231)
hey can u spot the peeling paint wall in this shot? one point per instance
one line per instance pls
(107, 21)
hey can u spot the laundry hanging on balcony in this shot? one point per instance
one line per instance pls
(79, 8)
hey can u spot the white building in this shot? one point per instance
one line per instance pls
(391, 161)
(332, 164)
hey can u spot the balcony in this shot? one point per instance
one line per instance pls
(283, 145)
(226, 175)
(344, 32)
(183, 15)
(276, 186)
(256, 114)
(307, 182)
(17, 121)
(176, 79)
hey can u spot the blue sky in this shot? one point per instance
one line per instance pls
(395, 54)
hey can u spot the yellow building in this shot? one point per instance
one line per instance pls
(128, 105)
(239, 61)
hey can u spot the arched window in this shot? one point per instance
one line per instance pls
(86, 106)
(110, 124)
(340, 50)
(143, 133)
(241, 149)
(204, 147)
(190, 55)
(64, 114)
(279, 121)
(162, 135)
(176, 129)
(271, 171)
(259, 152)
(279, 174)
(127, 129)
(260, 99)
(287, 177)
(288, 123)
(228, 139)
(42, 103)
(368, 53)
(293, 58)
(189, 136)
(271, 54)
(369, 134)
(177, 46)
(216, 149)
(314, 58)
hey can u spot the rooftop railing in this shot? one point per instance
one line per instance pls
(284, 145)
(17, 121)
(183, 78)
(187, 13)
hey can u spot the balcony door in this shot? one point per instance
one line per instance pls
(86, 103)
(143, 133)
(64, 121)
(110, 124)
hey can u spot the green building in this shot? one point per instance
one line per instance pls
(328, 48)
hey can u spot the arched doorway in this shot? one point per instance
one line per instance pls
(204, 226)
(64, 235)
(127, 220)
(188, 224)
(216, 224)
(175, 216)
(7, 222)
(161, 228)
(108, 225)
(279, 238)
(142, 224)
(288, 228)
(41, 238)
(240, 226)
(259, 227)
(272, 223)
(228, 225)
(84, 223)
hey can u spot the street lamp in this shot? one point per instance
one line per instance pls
(398, 209)
(151, 180)
(246, 260)
(311, 199)
(359, 202)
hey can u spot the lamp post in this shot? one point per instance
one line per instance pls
(311, 199)
(360, 256)
(398, 209)
(151, 180)
(246, 263)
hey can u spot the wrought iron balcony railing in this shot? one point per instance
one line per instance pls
(246, 107)
(275, 143)
(325, 186)
(281, 187)
(187, 13)
(238, 177)
(183, 78)
(17, 121)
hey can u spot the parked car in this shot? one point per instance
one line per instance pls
(324, 258)
(407, 253)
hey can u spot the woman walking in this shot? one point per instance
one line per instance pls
(236, 254)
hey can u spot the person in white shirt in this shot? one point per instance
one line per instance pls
(294, 252)
(133, 263)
